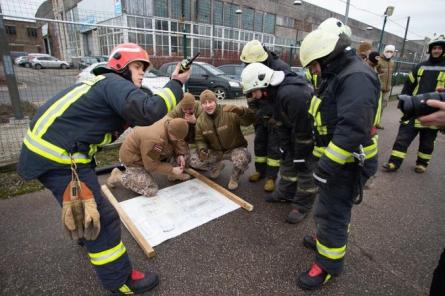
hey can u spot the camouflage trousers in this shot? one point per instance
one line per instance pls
(240, 158)
(137, 179)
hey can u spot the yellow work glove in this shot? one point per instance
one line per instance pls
(72, 211)
(91, 222)
(238, 110)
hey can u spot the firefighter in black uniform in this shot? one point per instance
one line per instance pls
(343, 114)
(291, 95)
(267, 155)
(65, 134)
(425, 77)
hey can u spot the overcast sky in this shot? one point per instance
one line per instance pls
(427, 16)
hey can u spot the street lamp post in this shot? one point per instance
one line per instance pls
(388, 12)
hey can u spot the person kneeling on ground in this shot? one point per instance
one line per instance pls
(218, 137)
(149, 149)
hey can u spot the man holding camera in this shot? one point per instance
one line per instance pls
(425, 77)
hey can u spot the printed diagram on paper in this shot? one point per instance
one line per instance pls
(176, 209)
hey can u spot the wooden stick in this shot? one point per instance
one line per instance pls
(142, 242)
(233, 197)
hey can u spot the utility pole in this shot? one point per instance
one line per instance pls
(8, 68)
(348, 2)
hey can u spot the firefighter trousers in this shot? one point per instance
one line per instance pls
(107, 253)
(332, 214)
(267, 154)
(407, 133)
(296, 185)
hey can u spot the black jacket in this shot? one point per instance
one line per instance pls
(94, 119)
(349, 95)
(292, 97)
(426, 78)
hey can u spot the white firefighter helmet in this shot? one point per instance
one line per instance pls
(322, 41)
(336, 26)
(256, 76)
(437, 40)
(253, 52)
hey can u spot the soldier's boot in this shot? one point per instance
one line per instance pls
(138, 283)
(216, 170)
(295, 216)
(390, 167)
(309, 242)
(314, 278)
(420, 169)
(269, 186)
(233, 183)
(255, 177)
(182, 177)
(114, 178)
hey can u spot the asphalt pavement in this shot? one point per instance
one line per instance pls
(397, 235)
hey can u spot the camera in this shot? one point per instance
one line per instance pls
(415, 106)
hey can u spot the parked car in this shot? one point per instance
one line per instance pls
(49, 62)
(299, 71)
(27, 62)
(89, 60)
(153, 80)
(233, 70)
(205, 76)
(20, 60)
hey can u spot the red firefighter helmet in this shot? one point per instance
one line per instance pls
(124, 54)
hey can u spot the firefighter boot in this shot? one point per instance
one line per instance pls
(390, 167)
(255, 177)
(269, 186)
(115, 178)
(309, 242)
(138, 283)
(295, 216)
(314, 278)
(216, 170)
(420, 169)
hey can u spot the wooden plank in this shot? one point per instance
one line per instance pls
(233, 197)
(142, 242)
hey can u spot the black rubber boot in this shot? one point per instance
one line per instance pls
(277, 197)
(295, 216)
(309, 242)
(138, 283)
(314, 278)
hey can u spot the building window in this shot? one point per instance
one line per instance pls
(285, 21)
(10, 30)
(217, 12)
(258, 24)
(203, 9)
(231, 19)
(176, 7)
(139, 7)
(161, 8)
(247, 16)
(32, 32)
(269, 23)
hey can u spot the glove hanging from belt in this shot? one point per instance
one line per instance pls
(79, 209)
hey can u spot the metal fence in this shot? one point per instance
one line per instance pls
(78, 39)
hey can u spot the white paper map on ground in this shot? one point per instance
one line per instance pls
(176, 209)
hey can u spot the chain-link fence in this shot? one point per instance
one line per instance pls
(53, 47)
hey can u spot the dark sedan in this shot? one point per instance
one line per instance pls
(205, 76)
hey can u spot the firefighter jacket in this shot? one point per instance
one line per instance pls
(423, 78)
(312, 78)
(275, 63)
(292, 99)
(345, 112)
(138, 149)
(384, 69)
(263, 109)
(78, 121)
(178, 113)
(221, 131)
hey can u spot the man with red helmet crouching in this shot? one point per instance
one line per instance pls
(63, 138)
